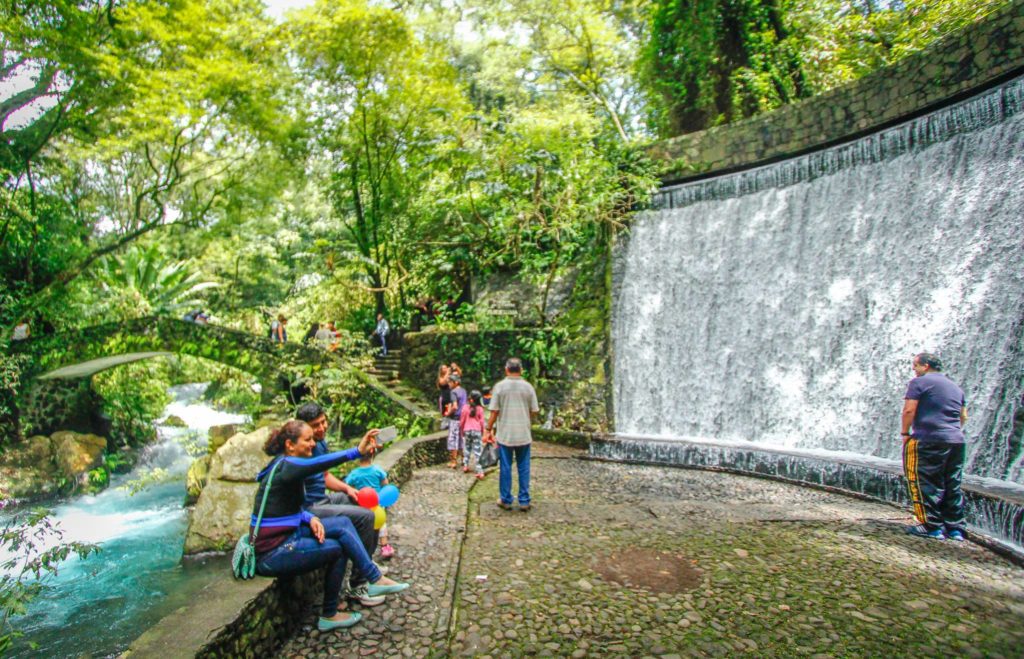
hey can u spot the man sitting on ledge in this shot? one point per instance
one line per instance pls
(329, 496)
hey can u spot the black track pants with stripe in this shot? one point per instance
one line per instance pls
(934, 472)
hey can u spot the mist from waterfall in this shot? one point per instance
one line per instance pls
(783, 305)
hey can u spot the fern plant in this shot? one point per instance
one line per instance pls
(142, 281)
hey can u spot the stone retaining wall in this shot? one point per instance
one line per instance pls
(957, 66)
(269, 610)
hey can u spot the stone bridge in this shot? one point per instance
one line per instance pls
(59, 365)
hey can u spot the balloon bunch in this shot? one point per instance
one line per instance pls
(377, 502)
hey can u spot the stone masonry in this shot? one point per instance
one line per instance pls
(964, 62)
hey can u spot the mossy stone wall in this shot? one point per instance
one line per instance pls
(962, 63)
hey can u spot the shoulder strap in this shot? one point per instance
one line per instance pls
(263, 504)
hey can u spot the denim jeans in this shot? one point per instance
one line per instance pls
(301, 553)
(337, 504)
(522, 456)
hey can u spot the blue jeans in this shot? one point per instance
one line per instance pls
(301, 553)
(522, 456)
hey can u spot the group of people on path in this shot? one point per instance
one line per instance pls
(501, 416)
(308, 518)
(325, 334)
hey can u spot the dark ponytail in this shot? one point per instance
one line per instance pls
(474, 404)
(289, 432)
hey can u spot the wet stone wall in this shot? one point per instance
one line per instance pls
(964, 62)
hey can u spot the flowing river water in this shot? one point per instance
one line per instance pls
(96, 607)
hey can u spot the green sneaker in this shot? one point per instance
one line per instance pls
(374, 590)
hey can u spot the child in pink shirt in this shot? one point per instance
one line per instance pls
(471, 426)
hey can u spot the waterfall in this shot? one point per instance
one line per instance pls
(781, 306)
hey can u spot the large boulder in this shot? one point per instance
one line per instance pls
(241, 457)
(195, 480)
(27, 470)
(220, 434)
(223, 511)
(75, 453)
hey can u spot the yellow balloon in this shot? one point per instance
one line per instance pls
(379, 517)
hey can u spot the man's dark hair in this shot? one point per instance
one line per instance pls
(514, 365)
(309, 411)
(930, 360)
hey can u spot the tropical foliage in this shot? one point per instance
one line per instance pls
(709, 62)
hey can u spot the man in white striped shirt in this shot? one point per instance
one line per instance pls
(513, 406)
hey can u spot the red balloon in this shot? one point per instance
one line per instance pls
(367, 497)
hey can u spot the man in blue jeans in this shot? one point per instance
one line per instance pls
(513, 406)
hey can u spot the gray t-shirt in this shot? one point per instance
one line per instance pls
(514, 399)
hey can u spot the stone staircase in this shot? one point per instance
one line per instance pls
(387, 371)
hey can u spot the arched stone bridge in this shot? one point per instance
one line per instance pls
(87, 351)
(55, 389)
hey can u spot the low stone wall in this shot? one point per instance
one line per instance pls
(253, 618)
(481, 355)
(268, 620)
(957, 66)
(995, 516)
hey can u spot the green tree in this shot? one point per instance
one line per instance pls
(142, 281)
(381, 105)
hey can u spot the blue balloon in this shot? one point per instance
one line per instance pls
(388, 495)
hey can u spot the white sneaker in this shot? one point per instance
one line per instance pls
(362, 594)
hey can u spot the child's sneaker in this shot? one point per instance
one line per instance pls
(387, 551)
(480, 475)
(361, 593)
(465, 469)
(956, 534)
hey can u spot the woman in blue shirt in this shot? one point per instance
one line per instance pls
(292, 541)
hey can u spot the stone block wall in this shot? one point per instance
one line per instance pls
(481, 355)
(965, 62)
(267, 620)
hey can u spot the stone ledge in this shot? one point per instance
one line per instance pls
(252, 618)
(957, 66)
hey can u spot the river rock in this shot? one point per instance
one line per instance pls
(27, 470)
(195, 481)
(223, 511)
(39, 449)
(174, 421)
(241, 457)
(220, 434)
(75, 454)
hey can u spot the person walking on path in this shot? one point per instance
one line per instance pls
(471, 427)
(326, 496)
(934, 450)
(278, 329)
(457, 401)
(382, 333)
(513, 406)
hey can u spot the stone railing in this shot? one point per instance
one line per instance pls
(959, 65)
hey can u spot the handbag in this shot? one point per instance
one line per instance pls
(243, 560)
(488, 456)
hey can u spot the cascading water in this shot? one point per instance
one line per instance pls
(97, 606)
(781, 307)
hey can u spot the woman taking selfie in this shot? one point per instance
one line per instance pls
(291, 541)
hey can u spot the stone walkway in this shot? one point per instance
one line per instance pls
(648, 561)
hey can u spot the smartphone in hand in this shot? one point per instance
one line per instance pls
(387, 435)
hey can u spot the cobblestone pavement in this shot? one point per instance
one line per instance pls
(648, 561)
